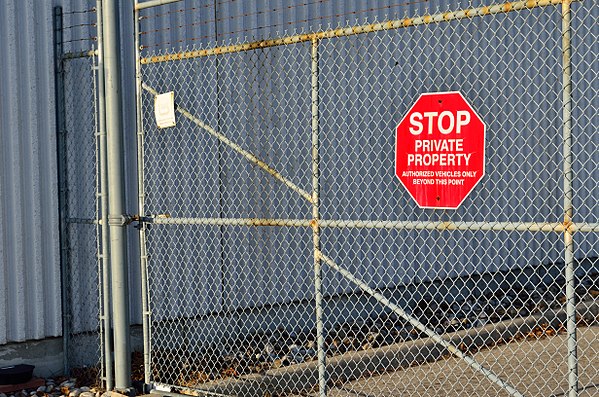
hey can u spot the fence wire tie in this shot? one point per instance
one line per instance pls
(248, 155)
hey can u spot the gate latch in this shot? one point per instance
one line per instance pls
(141, 220)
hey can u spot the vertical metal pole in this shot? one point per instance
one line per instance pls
(141, 205)
(116, 194)
(322, 381)
(61, 154)
(568, 211)
(108, 370)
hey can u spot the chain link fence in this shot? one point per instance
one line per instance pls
(282, 255)
(80, 185)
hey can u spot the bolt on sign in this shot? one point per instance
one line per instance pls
(440, 150)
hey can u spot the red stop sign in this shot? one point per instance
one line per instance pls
(440, 150)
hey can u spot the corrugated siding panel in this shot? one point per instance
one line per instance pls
(29, 256)
(29, 252)
(514, 60)
(30, 289)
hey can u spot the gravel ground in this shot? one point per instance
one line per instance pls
(59, 387)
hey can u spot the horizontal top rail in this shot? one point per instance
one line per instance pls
(356, 30)
(556, 227)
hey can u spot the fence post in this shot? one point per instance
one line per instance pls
(568, 211)
(62, 183)
(116, 194)
(322, 381)
(105, 237)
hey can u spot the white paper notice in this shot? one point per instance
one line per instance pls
(164, 109)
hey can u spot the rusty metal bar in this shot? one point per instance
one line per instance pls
(399, 225)
(234, 222)
(249, 156)
(423, 328)
(585, 227)
(352, 31)
(557, 227)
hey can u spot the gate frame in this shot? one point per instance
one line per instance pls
(568, 227)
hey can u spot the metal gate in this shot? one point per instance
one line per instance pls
(281, 255)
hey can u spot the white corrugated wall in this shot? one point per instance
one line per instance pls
(29, 249)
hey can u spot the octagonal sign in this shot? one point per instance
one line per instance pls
(440, 150)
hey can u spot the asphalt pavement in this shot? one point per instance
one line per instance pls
(533, 367)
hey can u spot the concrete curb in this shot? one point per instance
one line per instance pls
(354, 365)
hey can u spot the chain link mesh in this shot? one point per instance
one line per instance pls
(79, 156)
(231, 280)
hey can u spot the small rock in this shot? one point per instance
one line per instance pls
(84, 389)
(75, 393)
(87, 394)
(49, 388)
(41, 389)
(2, 395)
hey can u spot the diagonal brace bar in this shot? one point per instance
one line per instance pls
(249, 156)
(433, 335)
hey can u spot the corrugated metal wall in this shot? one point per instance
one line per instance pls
(29, 249)
(29, 253)
(30, 289)
(511, 60)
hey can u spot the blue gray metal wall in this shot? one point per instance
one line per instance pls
(29, 250)
(30, 289)
(189, 25)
